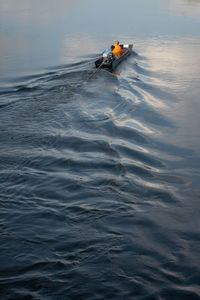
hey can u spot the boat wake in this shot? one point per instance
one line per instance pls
(86, 174)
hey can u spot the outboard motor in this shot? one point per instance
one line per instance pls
(105, 61)
(108, 58)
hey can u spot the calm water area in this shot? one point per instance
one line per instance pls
(99, 171)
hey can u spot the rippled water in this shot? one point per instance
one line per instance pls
(99, 185)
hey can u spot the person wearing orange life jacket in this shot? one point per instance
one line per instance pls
(117, 51)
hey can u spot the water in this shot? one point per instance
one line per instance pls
(99, 181)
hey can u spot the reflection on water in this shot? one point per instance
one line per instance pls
(188, 8)
(179, 62)
(25, 12)
(82, 46)
(177, 58)
(39, 34)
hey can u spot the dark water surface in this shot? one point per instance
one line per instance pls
(99, 185)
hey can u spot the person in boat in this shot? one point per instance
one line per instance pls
(112, 47)
(117, 51)
(108, 51)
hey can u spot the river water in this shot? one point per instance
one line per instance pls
(99, 185)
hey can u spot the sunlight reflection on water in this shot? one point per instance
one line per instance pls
(177, 58)
(187, 8)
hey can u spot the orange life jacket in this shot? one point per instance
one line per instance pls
(118, 50)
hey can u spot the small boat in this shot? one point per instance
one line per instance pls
(111, 62)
